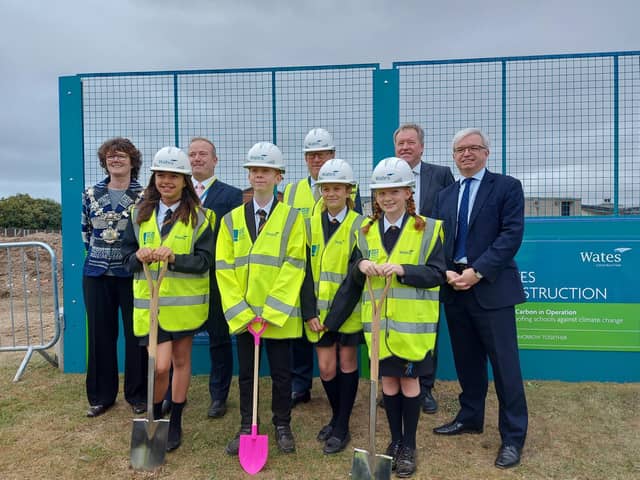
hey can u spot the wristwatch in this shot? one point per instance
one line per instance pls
(477, 274)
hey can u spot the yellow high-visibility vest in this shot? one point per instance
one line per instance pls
(184, 297)
(409, 319)
(329, 264)
(262, 278)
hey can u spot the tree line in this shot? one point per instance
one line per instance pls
(23, 211)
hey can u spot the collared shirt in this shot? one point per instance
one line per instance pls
(474, 186)
(162, 210)
(416, 188)
(205, 183)
(397, 223)
(340, 216)
(266, 208)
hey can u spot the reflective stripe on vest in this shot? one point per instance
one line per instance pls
(410, 315)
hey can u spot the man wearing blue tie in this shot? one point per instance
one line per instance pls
(485, 211)
(221, 198)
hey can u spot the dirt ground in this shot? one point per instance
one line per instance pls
(27, 308)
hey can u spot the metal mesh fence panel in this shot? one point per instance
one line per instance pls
(233, 110)
(629, 128)
(140, 108)
(566, 126)
(446, 97)
(339, 100)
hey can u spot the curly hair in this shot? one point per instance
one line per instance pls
(377, 213)
(186, 211)
(120, 144)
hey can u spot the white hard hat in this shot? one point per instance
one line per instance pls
(336, 170)
(317, 140)
(171, 159)
(265, 154)
(392, 172)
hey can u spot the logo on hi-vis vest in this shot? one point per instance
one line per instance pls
(314, 249)
(238, 234)
(374, 253)
(305, 212)
(147, 238)
(406, 252)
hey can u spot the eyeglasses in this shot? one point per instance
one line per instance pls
(322, 155)
(471, 148)
(117, 156)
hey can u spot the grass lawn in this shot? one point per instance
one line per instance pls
(576, 431)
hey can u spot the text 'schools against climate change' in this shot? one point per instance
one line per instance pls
(581, 295)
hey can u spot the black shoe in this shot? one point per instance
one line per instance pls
(97, 410)
(429, 404)
(335, 445)
(139, 407)
(234, 445)
(381, 402)
(324, 433)
(392, 451)
(166, 408)
(174, 440)
(217, 409)
(508, 456)
(406, 463)
(456, 428)
(300, 397)
(284, 439)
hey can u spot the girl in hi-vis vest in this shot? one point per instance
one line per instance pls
(170, 226)
(331, 246)
(396, 242)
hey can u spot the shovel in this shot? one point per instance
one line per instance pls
(149, 436)
(254, 449)
(367, 465)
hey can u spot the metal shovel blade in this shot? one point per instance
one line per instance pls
(253, 451)
(363, 464)
(148, 443)
(383, 467)
(360, 469)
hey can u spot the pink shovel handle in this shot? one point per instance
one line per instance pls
(257, 333)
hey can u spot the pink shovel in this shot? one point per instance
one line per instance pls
(254, 449)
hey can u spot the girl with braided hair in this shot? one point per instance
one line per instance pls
(396, 242)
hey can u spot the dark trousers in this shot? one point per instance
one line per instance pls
(301, 364)
(278, 355)
(478, 334)
(221, 355)
(103, 297)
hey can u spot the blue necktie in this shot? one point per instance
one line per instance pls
(460, 247)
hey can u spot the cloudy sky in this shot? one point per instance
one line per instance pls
(41, 40)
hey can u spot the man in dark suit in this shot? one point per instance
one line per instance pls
(430, 179)
(221, 198)
(484, 225)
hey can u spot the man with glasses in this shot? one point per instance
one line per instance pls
(304, 196)
(408, 140)
(484, 221)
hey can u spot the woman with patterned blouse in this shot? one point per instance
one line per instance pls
(107, 285)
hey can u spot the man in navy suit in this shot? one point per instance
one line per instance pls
(430, 179)
(221, 198)
(483, 217)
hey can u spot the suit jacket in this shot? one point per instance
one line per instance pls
(433, 178)
(221, 198)
(496, 228)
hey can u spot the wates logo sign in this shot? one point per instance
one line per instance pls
(604, 259)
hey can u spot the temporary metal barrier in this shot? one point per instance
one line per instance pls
(30, 317)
